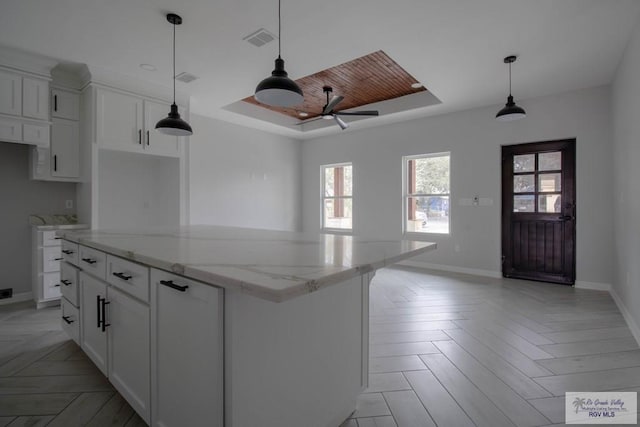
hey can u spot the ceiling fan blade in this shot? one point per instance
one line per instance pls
(358, 113)
(340, 122)
(308, 121)
(332, 104)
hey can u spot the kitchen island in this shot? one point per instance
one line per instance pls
(277, 334)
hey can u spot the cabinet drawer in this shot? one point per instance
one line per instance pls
(10, 130)
(92, 261)
(69, 282)
(51, 285)
(70, 252)
(36, 134)
(51, 258)
(128, 276)
(70, 320)
(48, 238)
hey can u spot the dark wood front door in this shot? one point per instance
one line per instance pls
(539, 211)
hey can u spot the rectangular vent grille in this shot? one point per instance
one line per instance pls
(186, 77)
(260, 37)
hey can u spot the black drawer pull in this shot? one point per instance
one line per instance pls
(140, 136)
(57, 285)
(122, 276)
(172, 285)
(58, 259)
(65, 282)
(57, 238)
(89, 260)
(67, 252)
(55, 102)
(66, 319)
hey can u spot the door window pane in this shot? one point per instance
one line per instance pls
(549, 203)
(524, 183)
(548, 182)
(550, 161)
(524, 163)
(524, 203)
(428, 214)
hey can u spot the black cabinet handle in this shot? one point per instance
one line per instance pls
(148, 138)
(67, 252)
(172, 285)
(57, 285)
(57, 238)
(104, 314)
(140, 136)
(98, 310)
(65, 282)
(89, 260)
(55, 162)
(122, 276)
(66, 319)
(58, 259)
(55, 102)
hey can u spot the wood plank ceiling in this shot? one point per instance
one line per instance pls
(365, 80)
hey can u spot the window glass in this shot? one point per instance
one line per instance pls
(427, 193)
(337, 197)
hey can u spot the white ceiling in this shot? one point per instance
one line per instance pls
(454, 47)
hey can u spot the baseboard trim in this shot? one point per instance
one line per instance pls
(631, 323)
(595, 286)
(451, 268)
(23, 296)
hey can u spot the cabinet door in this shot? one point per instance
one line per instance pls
(51, 285)
(156, 142)
(35, 98)
(65, 148)
(129, 350)
(187, 352)
(65, 104)
(94, 339)
(10, 93)
(118, 121)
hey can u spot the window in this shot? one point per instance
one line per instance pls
(337, 196)
(426, 193)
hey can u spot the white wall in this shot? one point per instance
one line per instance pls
(243, 177)
(474, 138)
(22, 197)
(626, 183)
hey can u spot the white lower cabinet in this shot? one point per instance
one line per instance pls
(70, 320)
(115, 336)
(186, 352)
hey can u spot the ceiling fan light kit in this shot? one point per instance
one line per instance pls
(279, 90)
(511, 111)
(173, 124)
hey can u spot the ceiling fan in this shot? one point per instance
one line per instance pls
(328, 112)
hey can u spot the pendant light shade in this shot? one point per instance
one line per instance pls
(279, 90)
(510, 111)
(173, 124)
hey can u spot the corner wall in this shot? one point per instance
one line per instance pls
(474, 139)
(626, 183)
(243, 177)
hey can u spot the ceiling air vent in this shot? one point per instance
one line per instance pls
(260, 37)
(186, 77)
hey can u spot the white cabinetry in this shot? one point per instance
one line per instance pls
(35, 98)
(10, 93)
(126, 122)
(65, 148)
(65, 104)
(187, 352)
(45, 268)
(115, 328)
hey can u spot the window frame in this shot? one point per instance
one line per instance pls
(406, 195)
(323, 199)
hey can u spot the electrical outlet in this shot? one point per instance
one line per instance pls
(476, 200)
(68, 204)
(6, 293)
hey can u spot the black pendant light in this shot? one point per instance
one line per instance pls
(173, 124)
(510, 111)
(279, 90)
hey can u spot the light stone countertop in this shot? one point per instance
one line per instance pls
(273, 265)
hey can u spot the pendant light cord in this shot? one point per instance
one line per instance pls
(174, 63)
(279, 30)
(509, 78)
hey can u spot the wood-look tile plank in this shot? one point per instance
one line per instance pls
(413, 336)
(35, 404)
(395, 364)
(82, 410)
(349, 422)
(4, 421)
(578, 325)
(116, 412)
(510, 403)
(371, 405)
(412, 326)
(478, 406)
(595, 362)
(551, 407)
(407, 409)
(31, 421)
(589, 335)
(59, 367)
(591, 347)
(436, 399)
(54, 384)
(613, 379)
(386, 421)
(401, 349)
(502, 323)
(67, 349)
(135, 421)
(31, 352)
(391, 381)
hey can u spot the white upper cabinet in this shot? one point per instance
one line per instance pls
(127, 123)
(65, 148)
(10, 93)
(65, 104)
(35, 98)
(156, 142)
(118, 121)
